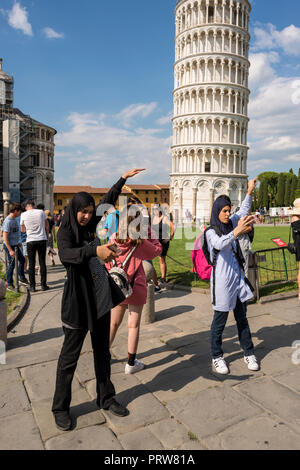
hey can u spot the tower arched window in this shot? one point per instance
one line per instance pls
(211, 14)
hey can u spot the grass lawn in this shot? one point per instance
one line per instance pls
(11, 298)
(180, 271)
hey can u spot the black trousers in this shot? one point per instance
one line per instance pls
(32, 248)
(68, 359)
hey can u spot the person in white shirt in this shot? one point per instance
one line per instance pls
(34, 222)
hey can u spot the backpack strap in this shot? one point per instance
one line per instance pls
(126, 260)
(214, 262)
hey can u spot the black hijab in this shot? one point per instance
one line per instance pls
(69, 222)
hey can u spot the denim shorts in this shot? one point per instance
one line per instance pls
(24, 248)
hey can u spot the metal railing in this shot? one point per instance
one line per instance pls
(271, 267)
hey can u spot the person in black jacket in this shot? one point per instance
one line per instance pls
(79, 313)
(295, 226)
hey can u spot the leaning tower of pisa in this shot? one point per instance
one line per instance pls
(209, 151)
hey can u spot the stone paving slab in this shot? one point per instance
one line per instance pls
(144, 408)
(85, 368)
(17, 358)
(154, 331)
(274, 335)
(287, 311)
(39, 380)
(275, 398)
(84, 413)
(211, 411)
(146, 345)
(20, 432)
(181, 381)
(183, 339)
(13, 398)
(193, 445)
(159, 364)
(176, 402)
(89, 438)
(141, 439)
(276, 361)
(259, 433)
(290, 379)
(192, 325)
(170, 432)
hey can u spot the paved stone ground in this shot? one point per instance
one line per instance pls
(177, 402)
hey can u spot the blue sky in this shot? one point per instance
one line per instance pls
(101, 73)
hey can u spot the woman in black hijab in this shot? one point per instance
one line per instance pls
(79, 313)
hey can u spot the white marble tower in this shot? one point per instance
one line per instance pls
(211, 95)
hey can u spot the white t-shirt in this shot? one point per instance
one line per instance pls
(34, 222)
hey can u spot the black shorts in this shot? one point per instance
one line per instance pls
(165, 247)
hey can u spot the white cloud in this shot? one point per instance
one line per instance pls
(268, 37)
(293, 158)
(274, 110)
(261, 70)
(142, 110)
(110, 150)
(254, 165)
(165, 119)
(18, 19)
(51, 34)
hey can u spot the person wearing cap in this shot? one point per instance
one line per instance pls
(295, 225)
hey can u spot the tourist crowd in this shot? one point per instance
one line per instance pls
(103, 250)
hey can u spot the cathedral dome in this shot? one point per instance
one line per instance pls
(3, 75)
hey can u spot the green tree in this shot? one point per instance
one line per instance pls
(280, 190)
(271, 178)
(287, 192)
(294, 186)
(263, 194)
(254, 206)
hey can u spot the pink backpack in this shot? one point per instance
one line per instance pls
(201, 266)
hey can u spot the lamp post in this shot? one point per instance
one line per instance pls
(6, 199)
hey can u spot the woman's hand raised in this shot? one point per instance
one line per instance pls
(131, 173)
(107, 252)
(244, 225)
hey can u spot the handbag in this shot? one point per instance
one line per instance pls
(107, 294)
(120, 277)
(117, 295)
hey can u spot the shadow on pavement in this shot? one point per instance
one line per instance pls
(32, 338)
(172, 312)
(197, 346)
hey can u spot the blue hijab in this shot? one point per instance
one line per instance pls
(219, 204)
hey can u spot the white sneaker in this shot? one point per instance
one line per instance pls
(251, 361)
(220, 366)
(136, 368)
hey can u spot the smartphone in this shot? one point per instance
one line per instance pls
(116, 249)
